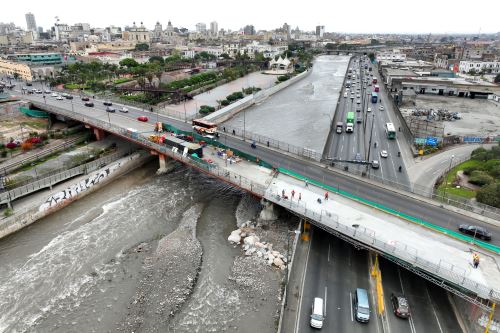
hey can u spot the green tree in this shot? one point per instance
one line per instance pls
(225, 56)
(472, 72)
(497, 78)
(489, 195)
(141, 47)
(330, 46)
(374, 42)
(129, 63)
(16, 75)
(371, 56)
(157, 59)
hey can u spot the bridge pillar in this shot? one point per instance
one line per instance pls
(99, 134)
(166, 164)
(267, 213)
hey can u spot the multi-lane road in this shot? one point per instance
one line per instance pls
(369, 137)
(335, 269)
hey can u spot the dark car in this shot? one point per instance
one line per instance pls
(110, 109)
(107, 103)
(400, 306)
(68, 97)
(89, 104)
(475, 231)
(85, 99)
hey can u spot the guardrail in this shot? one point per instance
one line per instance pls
(34, 186)
(403, 251)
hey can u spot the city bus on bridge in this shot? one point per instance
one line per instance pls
(374, 97)
(390, 131)
(204, 127)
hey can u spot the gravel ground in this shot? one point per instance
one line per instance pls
(169, 276)
(479, 116)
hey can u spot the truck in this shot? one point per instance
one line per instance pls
(339, 127)
(349, 128)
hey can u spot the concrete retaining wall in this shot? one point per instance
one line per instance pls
(229, 111)
(76, 189)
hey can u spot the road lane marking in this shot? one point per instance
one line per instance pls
(434, 310)
(410, 319)
(350, 305)
(328, 252)
(297, 318)
(324, 312)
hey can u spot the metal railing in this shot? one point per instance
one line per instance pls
(443, 269)
(34, 186)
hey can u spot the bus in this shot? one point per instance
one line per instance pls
(377, 88)
(390, 131)
(204, 127)
(374, 97)
(374, 80)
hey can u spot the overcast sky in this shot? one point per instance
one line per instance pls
(363, 16)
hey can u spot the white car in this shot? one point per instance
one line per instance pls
(384, 154)
(54, 95)
(60, 98)
(345, 94)
(369, 110)
(358, 101)
(124, 110)
(381, 108)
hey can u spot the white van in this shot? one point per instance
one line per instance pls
(317, 315)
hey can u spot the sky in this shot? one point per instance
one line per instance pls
(354, 16)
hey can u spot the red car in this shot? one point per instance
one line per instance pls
(142, 118)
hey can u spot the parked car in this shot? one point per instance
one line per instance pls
(384, 154)
(142, 118)
(107, 103)
(85, 99)
(68, 96)
(475, 231)
(89, 104)
(54, 94)
(110, 109)
(124, 110)
(47, 91)
(400, 306)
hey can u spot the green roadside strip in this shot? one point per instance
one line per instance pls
(407, 217)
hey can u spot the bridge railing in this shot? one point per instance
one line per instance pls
(405, 252)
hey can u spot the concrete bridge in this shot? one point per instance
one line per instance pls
(404, 234)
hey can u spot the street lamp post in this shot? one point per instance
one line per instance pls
(446, 179)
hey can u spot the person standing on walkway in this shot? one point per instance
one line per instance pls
(475, 259)
(293, 194)
(283, 193)
(300, 196)
(326, 195)
(307, 183)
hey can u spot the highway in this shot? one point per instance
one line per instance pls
(335, 269)
(428, 212)
(370, 130)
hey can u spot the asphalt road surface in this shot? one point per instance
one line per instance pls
(433, 214)
(370, 130)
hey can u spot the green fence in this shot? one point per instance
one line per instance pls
(415, 220)
(34, 113)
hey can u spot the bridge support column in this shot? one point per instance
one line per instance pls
(166, 164)
(99, 134)
(267, 213)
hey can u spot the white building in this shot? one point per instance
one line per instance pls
(320, 30)
(490, 67)
(394, 55)
(201, 27)
(30, 22)
(214, 29)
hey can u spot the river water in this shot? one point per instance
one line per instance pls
(76, 270)
(300, 114)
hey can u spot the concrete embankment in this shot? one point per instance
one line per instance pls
(43, 204)
(229, 111)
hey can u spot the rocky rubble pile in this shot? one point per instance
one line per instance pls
(254, 246)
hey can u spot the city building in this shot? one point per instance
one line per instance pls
(393, 55)
(249, 30)
(15, 68)
(483, 67)
(137, 34)
(320, 31)
(201, 28)
(30, 22)
(157, 32)
(214, 29)
(62, 32)
(38, 58)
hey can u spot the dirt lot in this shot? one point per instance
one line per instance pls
(480, 117)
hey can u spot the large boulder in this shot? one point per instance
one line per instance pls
(234, 238)
(278, 262)
(251, 240)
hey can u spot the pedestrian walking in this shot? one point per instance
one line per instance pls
(475, 260)
(307, 183)
(283, 193)
(293, 194)
(300, 196)
(326, 195)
